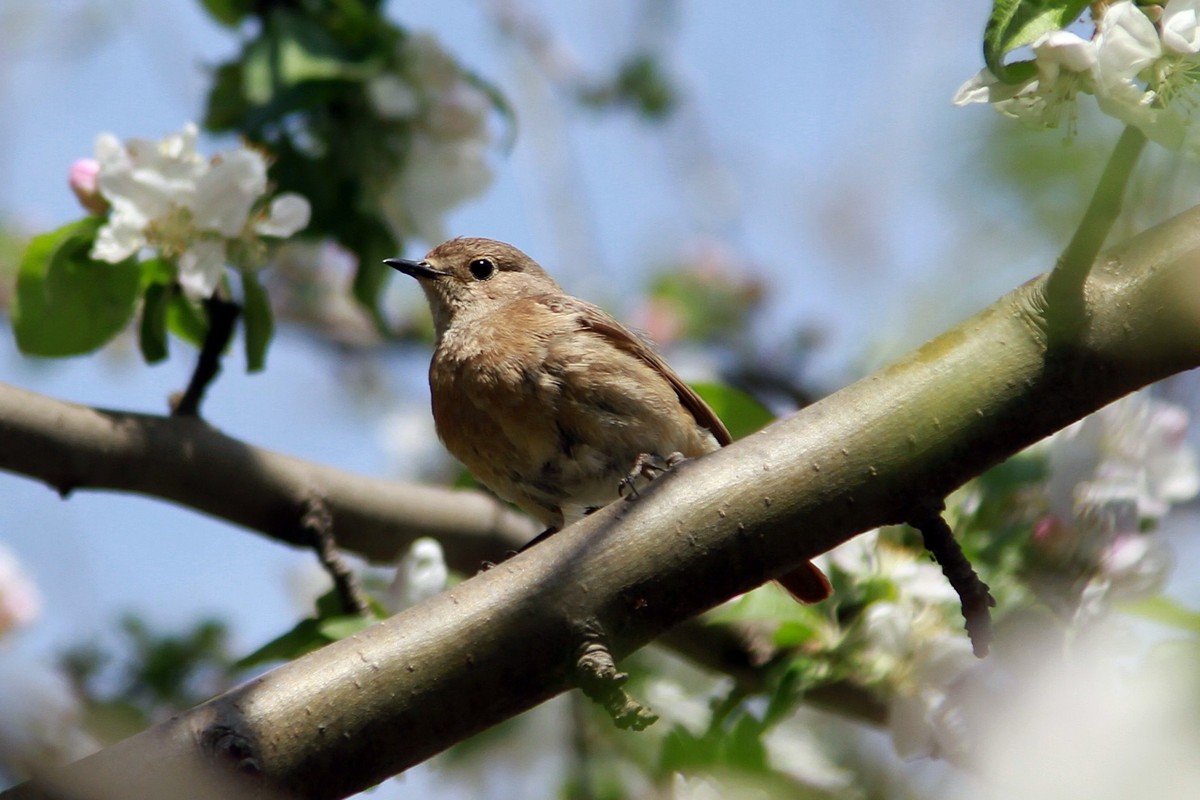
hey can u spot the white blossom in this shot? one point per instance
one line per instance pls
(1131, 452)
(420, 575)
(445, 118)
(1112, 475)
(1137, 70)
(167, 196)
(20, 601)
(438, 175)
(913, 643)
(41, 722)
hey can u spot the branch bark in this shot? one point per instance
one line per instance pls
(347, 716)
(186, 461)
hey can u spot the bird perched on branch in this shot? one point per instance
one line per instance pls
(548, 400)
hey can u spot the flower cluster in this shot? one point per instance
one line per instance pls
(1136, 68)
(1113, 477)
(201, 213)
(909, 641)
(445, 116)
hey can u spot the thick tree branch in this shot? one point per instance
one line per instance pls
(186, 461)
(343, 718)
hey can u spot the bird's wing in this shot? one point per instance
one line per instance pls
(598, 321)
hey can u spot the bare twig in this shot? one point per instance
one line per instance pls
(222, 316)
(318, 521)
(973, 593)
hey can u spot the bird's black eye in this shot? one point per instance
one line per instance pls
(482, 268)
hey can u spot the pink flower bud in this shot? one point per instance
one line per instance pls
(83, 180)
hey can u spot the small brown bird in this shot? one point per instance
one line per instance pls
(549, 401)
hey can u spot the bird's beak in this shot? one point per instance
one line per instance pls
(417, 269)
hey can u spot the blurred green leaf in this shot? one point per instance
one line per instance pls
(186, 319)
(152, 335)
(797, 624)
(156, 270)
(1015, 23)
(227, 105)
(66, 303)
(304, 637)
(330, 624)
(336, 628)
(1167, 611)
(229, 13)
(640, 83)
(295, 49)
(740, 412)
(743, 745)
(682, 751)
(258, 321)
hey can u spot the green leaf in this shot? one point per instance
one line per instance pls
(258, 321)
(336, 628)
(66, 303)
(1167, 611)
(157, 270)
(798, 623)
(305, 637)
(1015, 23)
(229, 13)
(330, 624)
(743, 746)
(329, 606)
(152, 335)
(740, 412)
(186, 319)
(683, 751)
(227, 104)
(292, 51)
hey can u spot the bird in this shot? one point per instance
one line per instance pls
(548, 400)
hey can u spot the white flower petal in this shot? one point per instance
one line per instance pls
(1181, 26)
(200, 268)
(1058, 50)
(1126, 44)
(226, 193)
(288, 213)
(117, 240)
(983, 87)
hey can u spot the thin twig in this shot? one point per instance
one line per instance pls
(973, 593)
(222, 316)
(318, 522)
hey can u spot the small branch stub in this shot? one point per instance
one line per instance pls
(317, 521)
(973, 593)
(597, 676)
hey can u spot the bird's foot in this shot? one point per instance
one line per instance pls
(647, 467)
